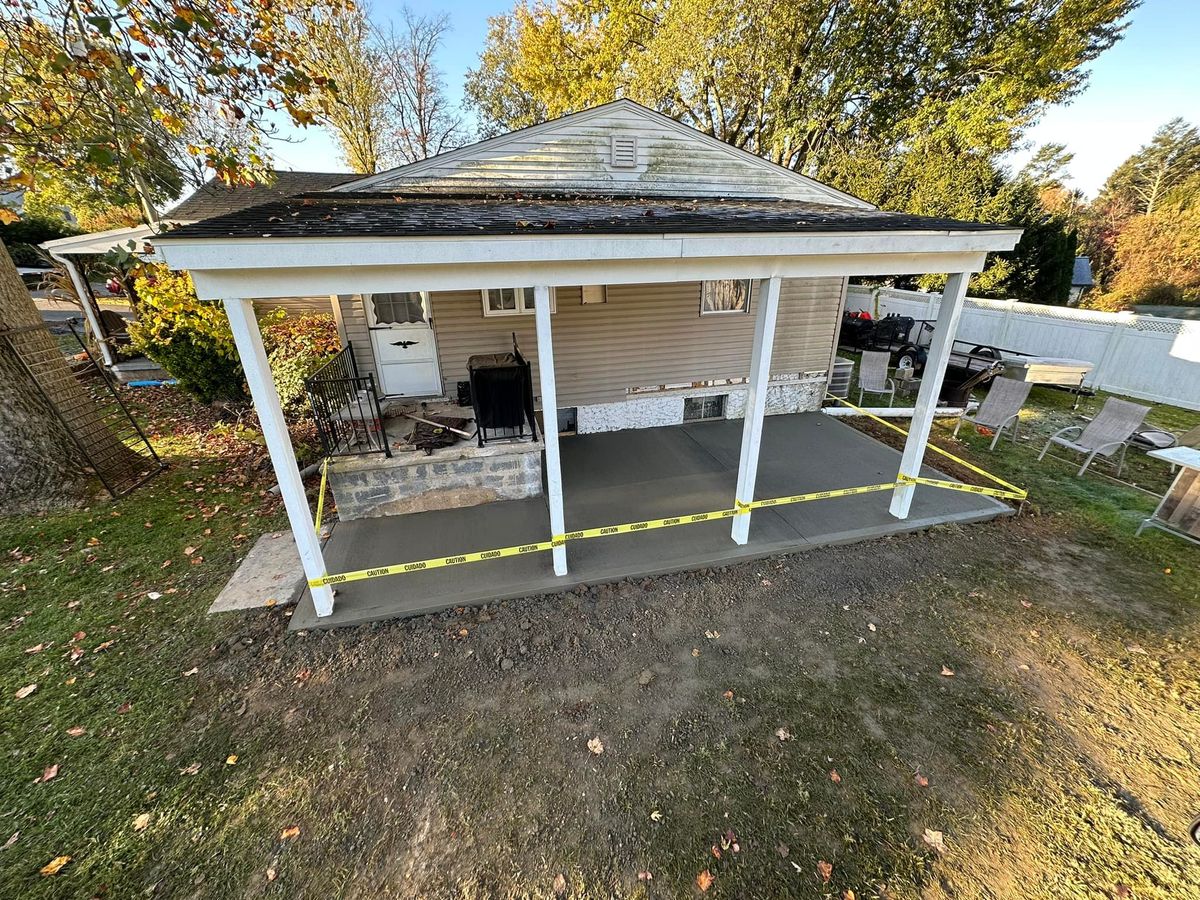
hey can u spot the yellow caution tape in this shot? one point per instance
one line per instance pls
(605, 531)
(321, 496)
(1012, 491)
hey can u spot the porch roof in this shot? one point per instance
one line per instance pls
(424, 214)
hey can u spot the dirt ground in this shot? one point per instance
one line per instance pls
(982, 712)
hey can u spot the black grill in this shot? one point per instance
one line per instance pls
(502, 395)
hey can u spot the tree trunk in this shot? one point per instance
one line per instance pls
(41, 466)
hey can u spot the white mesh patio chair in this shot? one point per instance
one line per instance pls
(1107, 434)
(999, 409)
(873, 375)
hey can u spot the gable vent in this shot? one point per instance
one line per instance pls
(624, 151)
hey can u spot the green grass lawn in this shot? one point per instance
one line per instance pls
(168, 754)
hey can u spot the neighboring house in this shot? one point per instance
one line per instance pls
(652, 274)
(1081, 280)
(212, 199)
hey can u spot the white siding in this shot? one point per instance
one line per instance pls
(575, 154)
(357, 334)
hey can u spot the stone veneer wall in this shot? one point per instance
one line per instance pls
(368, 487)
(786, 394)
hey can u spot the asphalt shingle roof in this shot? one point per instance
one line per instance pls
(424, 214)
(217, 198)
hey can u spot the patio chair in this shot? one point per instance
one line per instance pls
(873, 375)
(1108, 433)
(999, 409)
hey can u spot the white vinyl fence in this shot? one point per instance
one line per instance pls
(1148, 357)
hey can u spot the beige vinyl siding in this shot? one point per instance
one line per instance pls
(356, 332)
(645, 335)
(575, 154)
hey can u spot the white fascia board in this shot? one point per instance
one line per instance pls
(98, 242)
(196, 254)
(264, 283)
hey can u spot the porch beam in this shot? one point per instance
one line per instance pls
(549, 391)
(756, 401)
(931, 386)
(91, 311)
(248, 338)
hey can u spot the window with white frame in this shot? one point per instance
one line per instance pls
(510, 301)
(729, 295)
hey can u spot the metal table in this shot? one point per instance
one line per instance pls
(1179, 510)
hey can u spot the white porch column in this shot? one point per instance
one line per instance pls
(756, 401)
(554, 488)
(931, 385)
(88, 302)
(248, 338)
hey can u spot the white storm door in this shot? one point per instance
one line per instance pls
(403, 341)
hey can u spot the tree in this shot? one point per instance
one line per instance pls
(340, 45)
(1145, 179)
(414, 93)
(104, 89)
(1158, 257)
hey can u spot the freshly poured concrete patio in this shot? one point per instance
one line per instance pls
(629, 476)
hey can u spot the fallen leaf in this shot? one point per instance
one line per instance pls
(1121, 889)
(705, 880)
(655, 816)
(154, 595)
(871, 626)
(192, 671)
(52, 867)
(921, 780)
(934, 840)
(124, 708)
(12, 840)
(141, 822)
(596, 745)
(1026, 604)
(560, 885)
(645, 876)
(289, 833)
(825, 870)
(50, 773)
(728, 695)
(783, 734)
(25, 691)
(101, 647)
(76, 731)
(835, 777)
(36, 648)
(193, 769)
(947, 671)
(783, 850)
(695, 652)
(231, 759)
(188, 551)
(848, 894)
(271, 873)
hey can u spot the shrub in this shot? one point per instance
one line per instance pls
(297, 347)
(188, 338)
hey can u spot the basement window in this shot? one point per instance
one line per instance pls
(624, 150)
(700, 409)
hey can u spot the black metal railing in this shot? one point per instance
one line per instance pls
(346, 408)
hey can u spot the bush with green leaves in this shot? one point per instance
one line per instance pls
(186, 336)
(190, 338)
(296, 347)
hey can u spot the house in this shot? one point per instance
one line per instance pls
(653, 276)
(1081, 280)
(213, 198)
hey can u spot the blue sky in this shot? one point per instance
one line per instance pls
(1149, 77)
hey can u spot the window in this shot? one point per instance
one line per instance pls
(725, 296)
(404, 308)
(697, 409)
(510, 301)
(624, 151)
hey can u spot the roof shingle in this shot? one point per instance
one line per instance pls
(217, 198)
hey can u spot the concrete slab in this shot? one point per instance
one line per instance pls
(629, 476)
(270, 575)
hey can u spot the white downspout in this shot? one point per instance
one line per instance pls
(90, 311)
